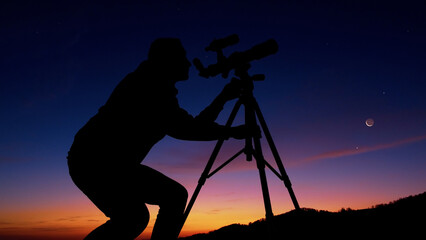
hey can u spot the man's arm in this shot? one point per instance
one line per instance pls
(182, 125)
(185, 127)
(211, 112)
(229, 92)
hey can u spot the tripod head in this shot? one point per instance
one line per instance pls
(238, 61)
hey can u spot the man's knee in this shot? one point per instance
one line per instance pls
(174, 198)
(181, 194)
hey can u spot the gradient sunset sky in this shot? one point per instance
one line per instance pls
(339, 64)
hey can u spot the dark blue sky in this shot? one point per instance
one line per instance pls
(339, 63)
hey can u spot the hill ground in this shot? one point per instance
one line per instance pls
(404, 218)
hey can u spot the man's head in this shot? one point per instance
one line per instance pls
(169, 55)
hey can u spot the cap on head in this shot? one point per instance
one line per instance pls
(163, 49)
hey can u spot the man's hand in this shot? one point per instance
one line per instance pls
(232, 90)
(244, 131)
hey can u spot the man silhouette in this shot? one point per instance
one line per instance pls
(104, 159)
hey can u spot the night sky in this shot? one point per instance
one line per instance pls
(339, 64)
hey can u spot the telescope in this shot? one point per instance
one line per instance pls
(240, 63)
(237, 59)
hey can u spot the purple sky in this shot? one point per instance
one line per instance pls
(339, 63)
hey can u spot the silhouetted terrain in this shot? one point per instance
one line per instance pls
(404, 218)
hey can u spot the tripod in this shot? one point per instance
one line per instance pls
(252, 146)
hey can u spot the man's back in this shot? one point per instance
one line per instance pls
(133, 119)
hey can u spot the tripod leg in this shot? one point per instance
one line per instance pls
(260, 161)
(209, 165)
(274, 151)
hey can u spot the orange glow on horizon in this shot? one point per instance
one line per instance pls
(232, 196)
(215, 208)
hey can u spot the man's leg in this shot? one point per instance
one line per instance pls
(170, 196)
(115, 193)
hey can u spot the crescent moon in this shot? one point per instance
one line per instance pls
(369, 122)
